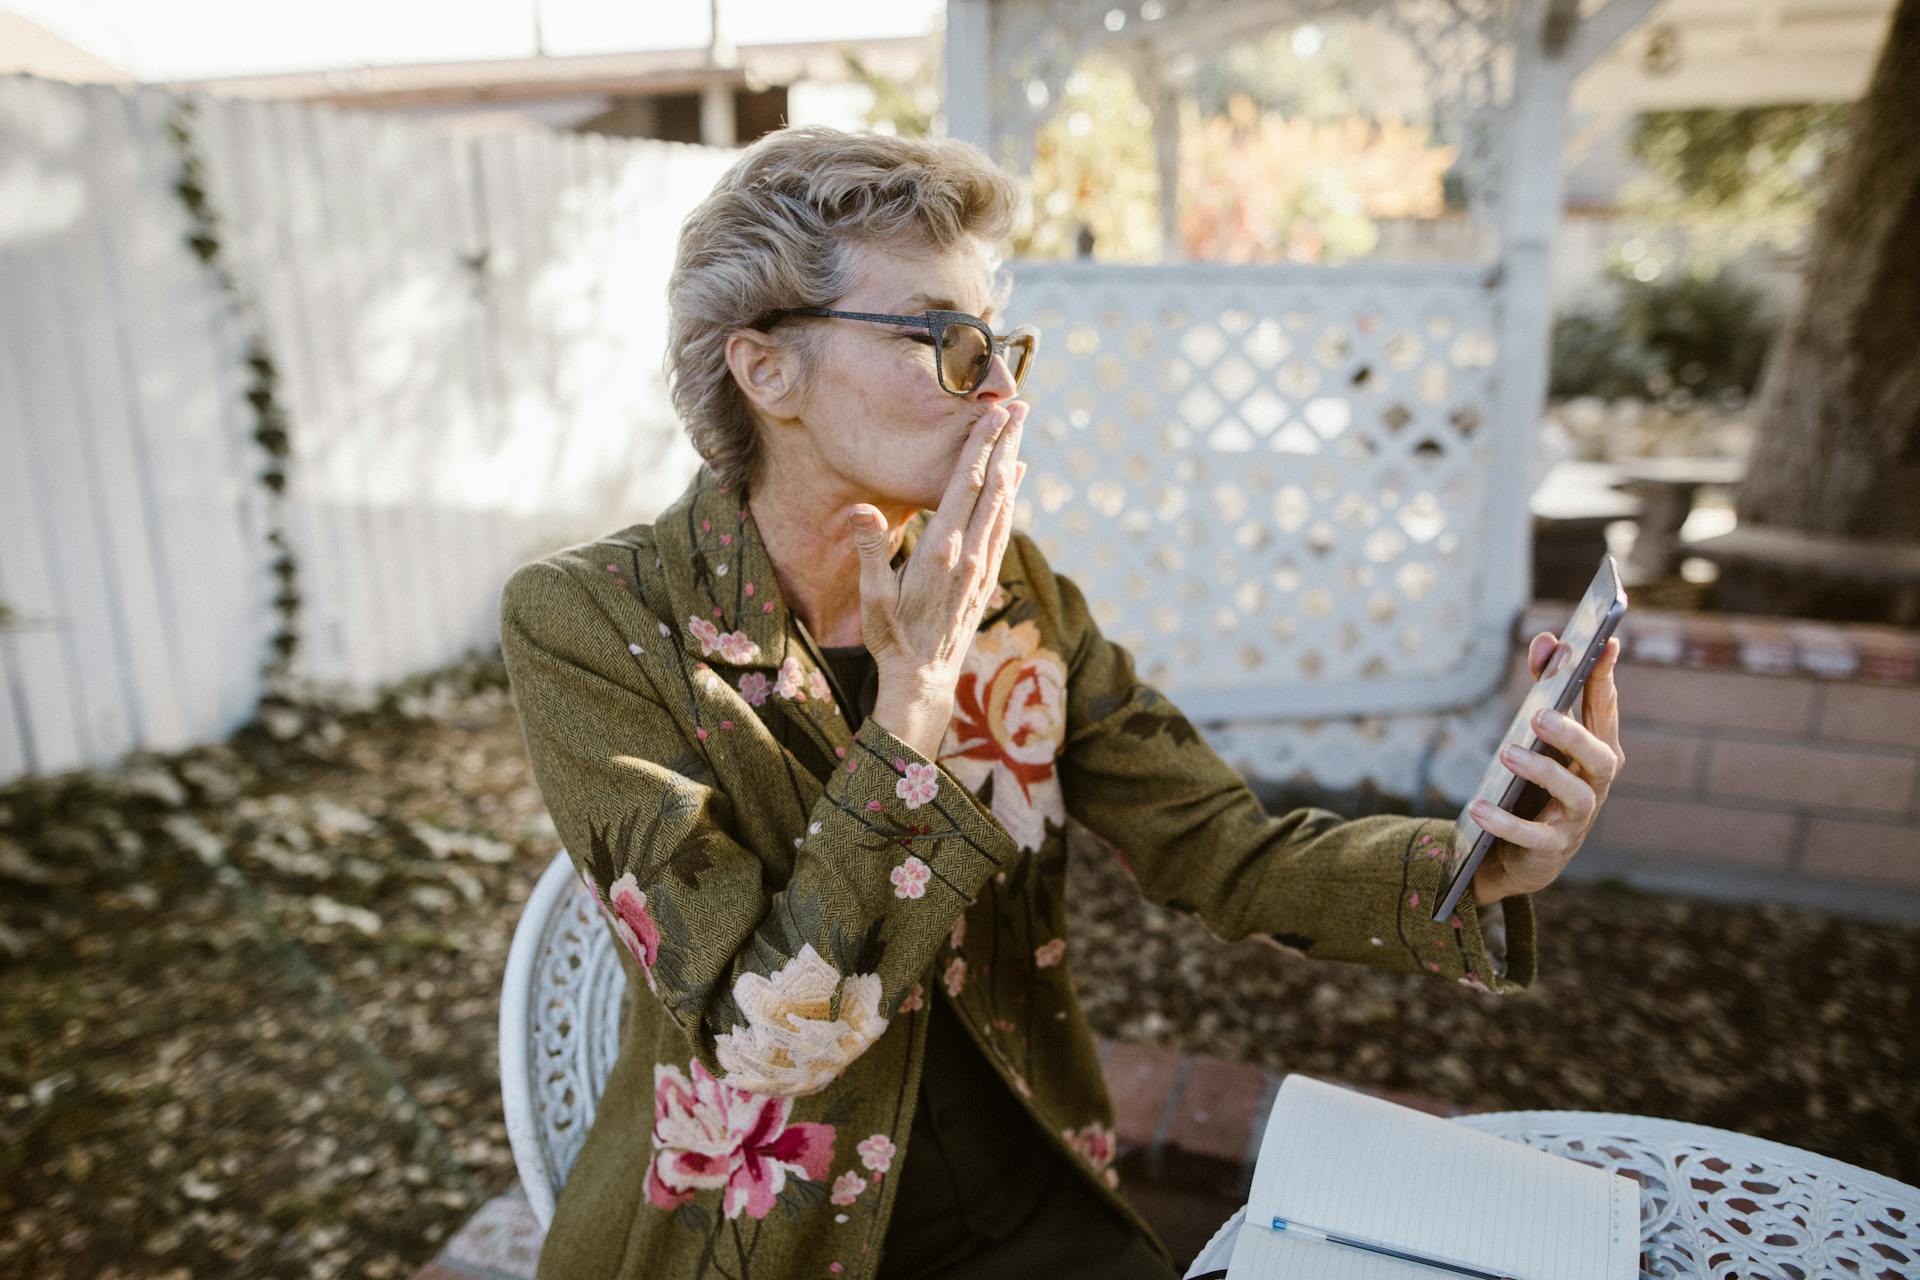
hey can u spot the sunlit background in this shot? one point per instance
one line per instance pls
(1368, 328)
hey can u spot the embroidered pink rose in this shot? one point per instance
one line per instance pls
(847, 1187)
(634, 924)
(787, 685)
(706, 633)
(877, 1152)
(919, 785)
(817, 685)
(913, 1000)
(1048, 954)
(910, 878)
(708, 1134)
(957, 934)
(956, 976)
(1096, 1145)
(754, 686)
(1009, 721)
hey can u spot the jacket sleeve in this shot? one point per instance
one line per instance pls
(781, 967)
(1196, 838)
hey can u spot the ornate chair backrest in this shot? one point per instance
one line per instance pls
(559, 1028)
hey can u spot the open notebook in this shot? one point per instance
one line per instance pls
(1360, 1166)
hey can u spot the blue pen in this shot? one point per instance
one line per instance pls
(1459, 1268)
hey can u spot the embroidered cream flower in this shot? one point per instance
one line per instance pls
(1009, 720)
(787, 682)
(910, 878)
(920, 784)
(877, 1152)
(955, 976)
(737, 648)
(790, 1046)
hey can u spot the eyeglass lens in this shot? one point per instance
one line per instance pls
(965, 357)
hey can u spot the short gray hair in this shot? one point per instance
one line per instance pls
(774, 233)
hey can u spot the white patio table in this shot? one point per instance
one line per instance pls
(1714, 1204)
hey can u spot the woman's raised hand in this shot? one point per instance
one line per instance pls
(919, 620)
(1528, 855)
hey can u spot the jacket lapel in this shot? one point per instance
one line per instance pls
(729, 615)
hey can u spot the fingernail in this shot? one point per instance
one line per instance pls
(1548, 718)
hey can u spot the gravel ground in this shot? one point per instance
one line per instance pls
(1782, 1022)
(248, 999)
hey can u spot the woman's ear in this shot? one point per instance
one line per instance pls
(766, 370)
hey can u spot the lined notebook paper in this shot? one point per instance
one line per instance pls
(1357, 1165)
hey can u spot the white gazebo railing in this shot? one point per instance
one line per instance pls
(1299, 493)
(1272, 481)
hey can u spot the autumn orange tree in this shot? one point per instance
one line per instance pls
(1277, 159)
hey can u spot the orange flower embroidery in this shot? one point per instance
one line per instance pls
(1009, 720)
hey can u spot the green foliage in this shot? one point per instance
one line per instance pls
(272, 424)
(901, 107)
(1593, 355)
(1094, 167)
(1686, 336)
(1286, 153)
(1299, 72)
(1736, 177)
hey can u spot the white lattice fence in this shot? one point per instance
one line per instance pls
(1298, 494)
(1271, 481)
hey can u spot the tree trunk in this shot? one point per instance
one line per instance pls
(1837, 416)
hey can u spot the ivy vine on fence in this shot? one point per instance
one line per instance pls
(271, 422)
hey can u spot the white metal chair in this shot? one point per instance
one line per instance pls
(559, 1029)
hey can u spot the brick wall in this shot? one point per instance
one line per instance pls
(1763, 745)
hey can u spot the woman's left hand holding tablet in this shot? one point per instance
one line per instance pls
(1529, 854)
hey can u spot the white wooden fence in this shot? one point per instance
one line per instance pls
(468, 336)
(1296, 494)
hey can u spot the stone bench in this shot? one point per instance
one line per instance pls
(1768, 569)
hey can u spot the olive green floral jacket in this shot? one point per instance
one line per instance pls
(790, 894)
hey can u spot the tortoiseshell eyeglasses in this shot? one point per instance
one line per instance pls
(963, 345)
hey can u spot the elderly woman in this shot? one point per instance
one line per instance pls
(812, 736)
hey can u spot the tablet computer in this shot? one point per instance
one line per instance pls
(1559, 685)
